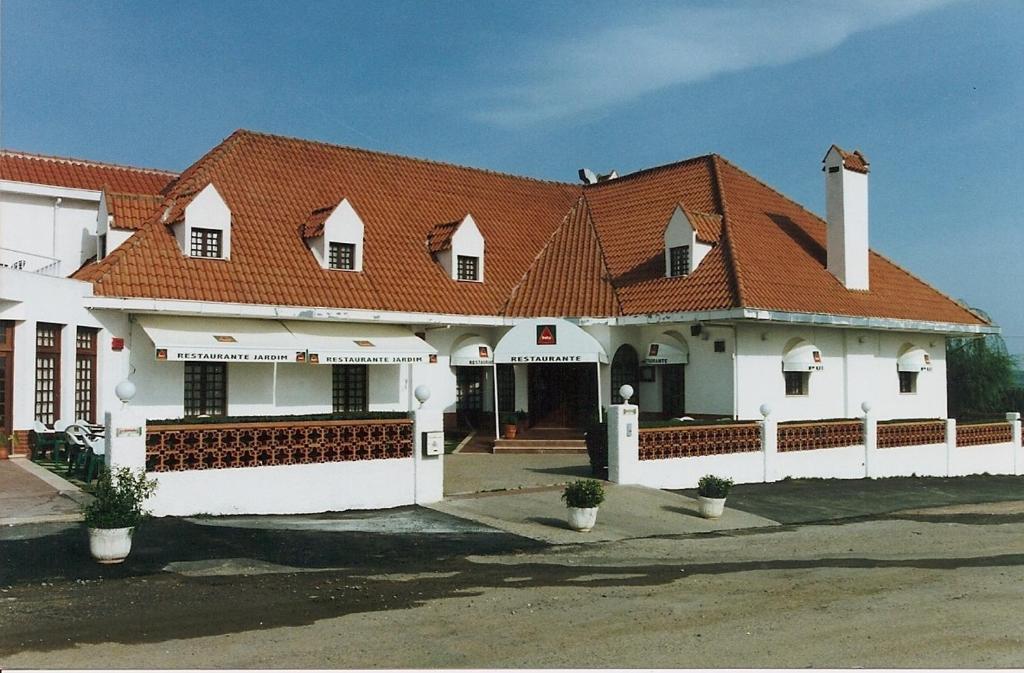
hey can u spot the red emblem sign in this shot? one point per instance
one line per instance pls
(817, 357)
(546, 335)
(654, 351)
(482, 352)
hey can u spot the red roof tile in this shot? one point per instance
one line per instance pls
(440, 236)
(314, 224)
(855, 161)
(80, 174)
(130, 211)
(569, 277)
(604, 258)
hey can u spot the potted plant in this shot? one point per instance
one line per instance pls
(582, 498)
(115, 511)
(510, 426)
(711, 494)
(6, 441)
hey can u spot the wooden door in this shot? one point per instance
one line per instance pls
(673, 390)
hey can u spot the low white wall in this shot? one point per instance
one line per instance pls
(925, 460)
(742, 468)
(845, 462)
(286, 489)
(982, 458)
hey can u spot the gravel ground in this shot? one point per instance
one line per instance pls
(932, 588)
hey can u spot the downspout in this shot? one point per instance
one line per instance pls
(735, 373)
(53, 244)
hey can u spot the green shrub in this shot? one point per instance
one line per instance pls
(583, 493)
(118, 499)
(711, 486)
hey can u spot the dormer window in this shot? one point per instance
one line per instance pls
(334, 234)
(205, 243)
(689, 237)
(203, 229)
(342, 256)
(469, 268)
(679, 260)
(459, 248)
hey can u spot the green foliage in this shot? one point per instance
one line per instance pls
(711, 486)
(980, 377)
(583, 493)
(118, 499)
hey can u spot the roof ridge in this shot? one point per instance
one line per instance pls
(727, 247)
(646, 171)
(395, 155)
(85, 162)
(600, 249)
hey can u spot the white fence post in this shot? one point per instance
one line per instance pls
(769, 444)
(429, 470)
(870, 439)
(950, 445)
(125, 432)
(623, 444)
(1013, 418)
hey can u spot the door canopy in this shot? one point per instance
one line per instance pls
(913, 359)
(669, 349)
(548, 340)
(472, 350)
(802, 356)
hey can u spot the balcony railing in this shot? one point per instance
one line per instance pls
(19, 260)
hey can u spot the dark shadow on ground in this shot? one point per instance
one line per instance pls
(580, 471)
(821, 500)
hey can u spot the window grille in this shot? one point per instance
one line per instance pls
(468, 268)
(206, 242)
(342, 256)
(796, 383)
(85, 374)
(47, 397)
(679, 260)
(349, 388)
(206, 388)
(908, 382)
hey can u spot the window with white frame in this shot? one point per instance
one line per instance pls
(908, 382)
(341, 256)
(206, 243)
(469, 268)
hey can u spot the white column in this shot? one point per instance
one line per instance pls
(870, 440)
(497, 420)
(125, 432)
(1013, 418)
(623, 444)
(600, 411)
(950, 445)
(428, 470)
(68, 355)
(769, 444)
(24, 402)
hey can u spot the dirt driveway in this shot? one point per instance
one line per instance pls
(933, 587)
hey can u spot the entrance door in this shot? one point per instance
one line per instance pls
(469, 396)
(673, 390)
(6, 376)
(562, 395)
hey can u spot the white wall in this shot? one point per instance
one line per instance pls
(342, 226)
(467, 241)
(51, 227)
(207, 210)
(859, 365)
(680, 231)
(846, 203)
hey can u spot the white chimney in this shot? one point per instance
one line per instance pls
(846, 203)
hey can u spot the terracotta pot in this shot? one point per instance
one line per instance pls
(510, 431)
(110, 545)
(711, 508)
(582, 518)
(5, 452)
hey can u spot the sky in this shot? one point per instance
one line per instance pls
(931, 91)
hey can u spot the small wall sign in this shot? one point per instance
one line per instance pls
(128, 432)
(546, 335)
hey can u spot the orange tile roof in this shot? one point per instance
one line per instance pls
(569, 277)
(440, 236)
(130, 211)
(314, 224)
(604, 258)
(80, 174)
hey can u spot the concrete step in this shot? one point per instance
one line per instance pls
(540, 446)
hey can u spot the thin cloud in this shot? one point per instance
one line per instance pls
(614, 65)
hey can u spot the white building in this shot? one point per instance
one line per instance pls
(281, 277)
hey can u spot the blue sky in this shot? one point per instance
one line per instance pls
(932, 92)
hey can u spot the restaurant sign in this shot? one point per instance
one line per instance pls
(224, 355)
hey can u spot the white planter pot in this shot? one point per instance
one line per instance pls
(582, 518)
(110, 545)
(711, 508)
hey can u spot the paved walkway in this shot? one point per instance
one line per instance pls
(477, 472)
(628, 512)
(31, 494)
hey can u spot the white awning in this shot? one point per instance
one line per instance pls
(914, 360)
(471, 350)
(804, 357)
(336, 343)
(220, 339)
(547, 340)
(668, 350)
